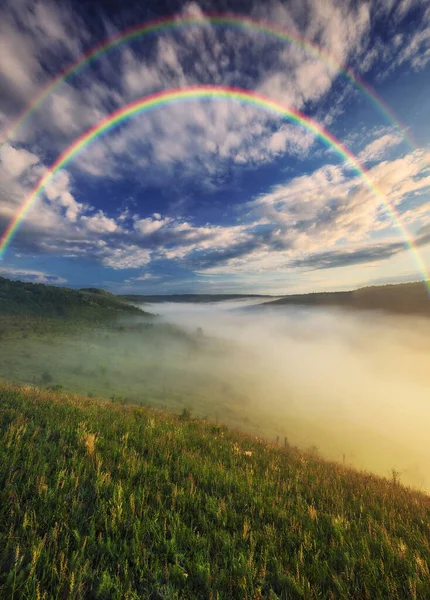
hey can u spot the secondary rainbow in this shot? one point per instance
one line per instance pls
(200, 93)
(216, 19)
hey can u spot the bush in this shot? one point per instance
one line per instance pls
(46, 377)
(185, 414)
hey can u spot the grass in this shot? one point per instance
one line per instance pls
(100, 500)
(148, 363)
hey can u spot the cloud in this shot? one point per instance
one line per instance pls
(154, 147)
(32, 35)
(195, 142)
(150, 225)
(309, 216)
(56, 211)
(379, 148)
(366, 254)
(31, 276)
(304, 221)
(18, 65)
(58, 191)
(99, 223)
(125, 257)
(326, 212)
(158, 147)
(146, 277)
(342, 258)
(16, 161)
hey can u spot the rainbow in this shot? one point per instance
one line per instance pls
(216, 19)
(201, 93)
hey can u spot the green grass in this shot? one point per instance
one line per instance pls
(99, 500)
(150, 363)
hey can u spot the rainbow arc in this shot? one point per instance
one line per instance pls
(165, 98)
(176, 23)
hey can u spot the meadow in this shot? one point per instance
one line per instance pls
(100, 500)
(331, 381)
(147, 456)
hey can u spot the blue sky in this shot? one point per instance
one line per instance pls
(213, 196)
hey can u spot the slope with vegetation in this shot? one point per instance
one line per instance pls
(403, 298)
(114, 502)
(38, 300)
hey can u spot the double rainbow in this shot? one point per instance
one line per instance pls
(215, 19)
(160, 99)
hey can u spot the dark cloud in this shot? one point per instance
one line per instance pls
(338, 258)
(213, 258)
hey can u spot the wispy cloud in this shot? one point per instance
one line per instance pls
(323, 216)
(201, 54)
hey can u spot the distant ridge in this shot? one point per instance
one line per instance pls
(402, 298)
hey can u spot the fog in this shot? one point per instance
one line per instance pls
(356, 385)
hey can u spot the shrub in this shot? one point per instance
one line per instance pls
(46, 377)
(185, 414)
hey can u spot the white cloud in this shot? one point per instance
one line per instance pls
(194, 141)
(58, 191)
(15, 161)
(203, 142)
(147, 226)
(126, 257)
(56, 212)
(146, 277)
(31, 276)
(19, 65)
(194, 55)
(415, 51)
(402, 176)
(99, 223)
(378, 148)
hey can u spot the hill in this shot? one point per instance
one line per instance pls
(101, 291)
(403, 298)
(105, 501)
(38, 300)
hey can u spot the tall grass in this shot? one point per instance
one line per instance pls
(105, 501)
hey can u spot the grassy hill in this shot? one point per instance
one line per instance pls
(404, 298)
(36, 299)
(114, 502)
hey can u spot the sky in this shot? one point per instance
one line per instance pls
(212, 195)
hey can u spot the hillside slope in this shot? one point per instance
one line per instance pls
(404, 298)
(36, 299)
(103, 501)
